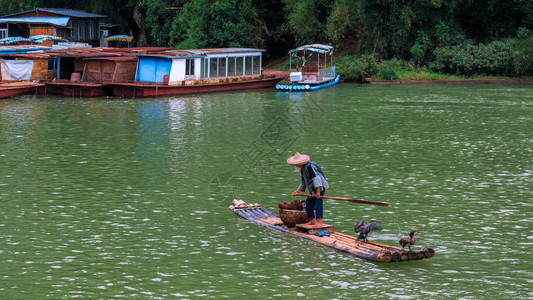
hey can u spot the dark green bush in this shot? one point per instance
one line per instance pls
(388, 69)
(509, 57)
(388, 74)
(523, 54)
(353, 68)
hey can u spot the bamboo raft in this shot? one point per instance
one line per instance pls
(363, 249)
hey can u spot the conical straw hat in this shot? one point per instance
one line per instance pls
(298, 159)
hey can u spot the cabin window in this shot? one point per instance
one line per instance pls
(256, 65)
(231, 66)
(239, 66)
(52, 64)
(203, 70)
(189, 67)
(213, 67)
(248, 65)
(222, 67)
(3, 33)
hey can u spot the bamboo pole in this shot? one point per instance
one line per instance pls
(347, 199)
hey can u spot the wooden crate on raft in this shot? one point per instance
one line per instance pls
(312, 229)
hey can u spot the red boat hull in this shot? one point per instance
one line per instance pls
(136, 90)
(16, 88)
(78, 89)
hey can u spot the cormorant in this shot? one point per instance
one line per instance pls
(408, 241)
(364, 230)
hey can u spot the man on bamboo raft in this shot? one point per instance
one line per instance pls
(313, 179)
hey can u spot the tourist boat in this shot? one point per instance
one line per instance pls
(311, 74)
(363, 249)
(8, 89)
(197, 71)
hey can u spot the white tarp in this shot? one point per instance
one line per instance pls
(16, 69)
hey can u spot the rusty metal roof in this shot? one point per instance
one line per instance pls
(116, 58)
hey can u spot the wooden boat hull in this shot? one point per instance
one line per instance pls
(78, 89)
(9, 89)
(137, 90)
(343, 242)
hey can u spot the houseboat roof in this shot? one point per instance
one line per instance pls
(222, 50)
(198, 52)
(116, 58)
(61, 11)
(135, 50)
(30, 55)
(58, 21)
(89, 54)
(22, 49)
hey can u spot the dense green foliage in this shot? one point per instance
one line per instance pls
(510, 57)
(453, 36)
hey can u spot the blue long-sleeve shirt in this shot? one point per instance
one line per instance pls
(312, 177)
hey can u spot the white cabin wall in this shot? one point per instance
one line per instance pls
(177, 72)
(197, 68)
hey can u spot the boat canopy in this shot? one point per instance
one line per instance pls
(319, 48)
(44, 37)
(119, 38)
(14, 40)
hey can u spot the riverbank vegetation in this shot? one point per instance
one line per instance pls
(384, 39)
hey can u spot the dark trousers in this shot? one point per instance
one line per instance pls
(312, 204)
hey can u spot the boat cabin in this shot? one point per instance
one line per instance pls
(73, 61)
(310, 70)
(110, 69)
(202, 66)
(29, 66)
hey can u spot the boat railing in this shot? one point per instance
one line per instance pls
(327, 71)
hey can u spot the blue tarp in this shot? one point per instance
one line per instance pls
(152, 69)
(59, 21)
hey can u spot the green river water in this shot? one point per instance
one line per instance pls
(109, 198)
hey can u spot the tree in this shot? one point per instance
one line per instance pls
(390, 27)
(342, 22)
(306, 19)
(223, 23)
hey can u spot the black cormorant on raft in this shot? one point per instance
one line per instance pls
(408, 241)
(364, 230)
(343, 242)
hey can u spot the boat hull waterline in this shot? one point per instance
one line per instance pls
(307, 87)
(136, 90)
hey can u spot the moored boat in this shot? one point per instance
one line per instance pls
(197, 71)
(311, 74)
(363, 249)
(97, 73)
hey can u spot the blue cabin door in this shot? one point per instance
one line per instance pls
(152, 69)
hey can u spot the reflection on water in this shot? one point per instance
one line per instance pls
(117, 198)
